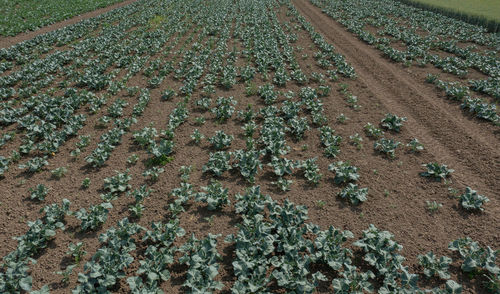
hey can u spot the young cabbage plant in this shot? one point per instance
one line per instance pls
(433, 265)
(344, 172)
(436, 171)
(471, 200)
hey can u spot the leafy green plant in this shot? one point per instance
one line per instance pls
(153, 173)
(14, 157)
(251, 88)
(475, 257)
(436, 171)
(451, 287)
(4, 165)
(140, 194)
(392, 122)
(214, 195)
(352, 281)
(432, 265)
(132, 91)
(197, 136)
(158, 258)
(281, 166)
(320, 204)
(145, 137)
(161, 152)
(221, 140)
(39, 192)
(381, 251)
(118, 183)
(354, 193)
(330, 141)
(204, 103)
(387, 146)
(224, 108)
(66, 274)
(16, 277)
(248, 163)
(136, 209)
(311, 170)
(81, 145)
(342, 118)
(199, 120)
(352, 100)
(249, 129)
(108, 197)
(357, 140)
(267, 93)
(107, 265)
(299, 77)
(85, 183)
(433, 206)
(59, 172)
(431, 78)
(201, 257)
(344, 172)
(471, 200)
(103, 122)
(218, 163)
(252, 202)
(248, 114)
(178, 116)
(168, 94)
(185, 173)
(247, 73)
(281, 77)
(116, 109)
(291, 109)
(35, 164)
(132, 159)
(298, 127)
(94, 217)
(76, 251)
(415, 145)
(373, 131)
(482, 109)
(323, 90)
(283, 184)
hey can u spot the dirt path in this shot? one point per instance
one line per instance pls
(466, 144)
(9, 41)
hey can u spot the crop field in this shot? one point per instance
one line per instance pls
(23, 15)
(490, 9)
(240, 146)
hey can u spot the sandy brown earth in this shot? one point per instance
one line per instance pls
(9, 41)
(397, 193)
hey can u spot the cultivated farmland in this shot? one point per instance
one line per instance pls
(238, 146)
(21, 16)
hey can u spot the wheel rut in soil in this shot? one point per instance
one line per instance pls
(468, 146)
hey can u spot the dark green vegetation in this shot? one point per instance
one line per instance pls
(18, 16)
(485, 13)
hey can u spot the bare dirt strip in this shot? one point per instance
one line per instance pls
(9, 41)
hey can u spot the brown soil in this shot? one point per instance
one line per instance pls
(397, 193)
(9, 41)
